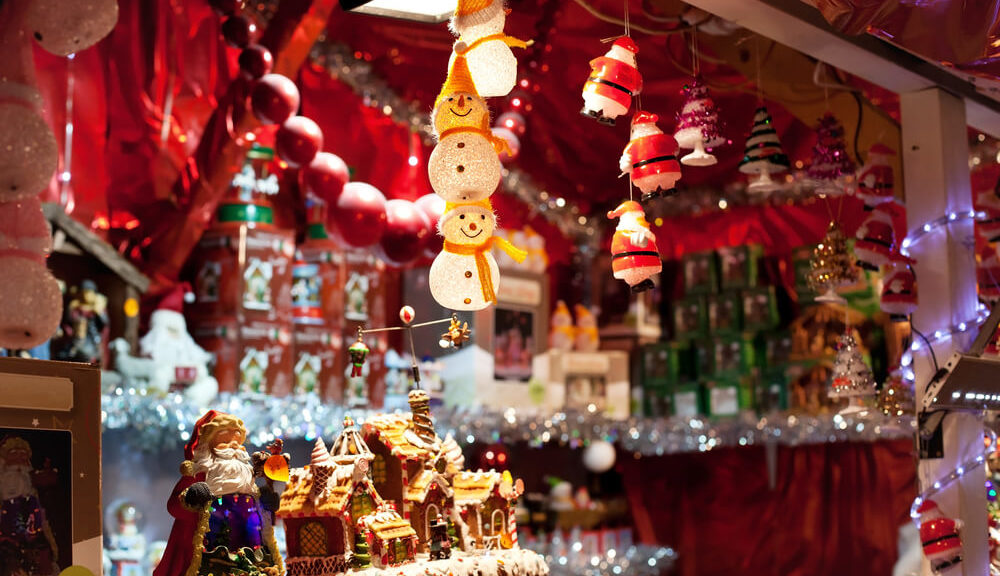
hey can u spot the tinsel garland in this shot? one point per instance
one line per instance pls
(639, 560)
(159, 423)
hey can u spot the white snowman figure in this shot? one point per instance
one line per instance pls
(479, 25)
(464, 166)
(465, 275)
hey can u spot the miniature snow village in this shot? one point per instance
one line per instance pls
(391, 497)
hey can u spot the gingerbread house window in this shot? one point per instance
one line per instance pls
(430, 517)
(312, 540)
(362, 504)
(378, 469)
(497, 522)
(399, 548)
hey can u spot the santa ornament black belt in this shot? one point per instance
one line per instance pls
(654, 160)
(611, 84)
(635, 253)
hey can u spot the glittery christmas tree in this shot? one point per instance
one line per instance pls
(831, 265)
(831, 164)
(698, 126)
(763, 154)
(851, 378)
(896, 397)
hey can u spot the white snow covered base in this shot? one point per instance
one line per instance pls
(492, 563)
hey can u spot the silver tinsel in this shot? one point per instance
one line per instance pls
(639, 560)
(159, 423)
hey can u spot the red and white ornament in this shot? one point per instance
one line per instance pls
(698, 126)
(988, 202)
(876, 239)
(614, 80)
(650, 159)
(988, 273)
(634, 255)
(274, 98)
(899, 288)
(941, 539)
(875, 179)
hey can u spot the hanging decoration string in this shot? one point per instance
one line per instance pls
(66, 174)
(695, 59)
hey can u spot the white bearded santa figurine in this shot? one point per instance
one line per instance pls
(650, 158)
(634, 256)
(875, 179)
(940, 539)
(27, 545)
(179, 362)
(899, 288)
(221, 517)
(614, 80)
(876, 239)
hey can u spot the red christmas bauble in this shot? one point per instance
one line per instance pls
(298, 140)
(359, 215)
(433, 207)
(407, 230)
(274, 99)
(239, 31)
(512, 121)
(226, 7)
(255, 61)
(325, 177)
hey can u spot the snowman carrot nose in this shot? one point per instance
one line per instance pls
(461, 100)
(472, 226)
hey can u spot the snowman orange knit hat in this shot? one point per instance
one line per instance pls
(474, 12)
(459, 80)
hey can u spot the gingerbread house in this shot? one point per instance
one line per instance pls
(323, 504)
(390, 538)
(485, 502)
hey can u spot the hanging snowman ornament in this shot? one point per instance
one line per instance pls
(479, 26)
(650, 159)
(634, 256)
(614, 80)
(464, 166)
(465, 275)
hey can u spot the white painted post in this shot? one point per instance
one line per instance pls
(936, 176)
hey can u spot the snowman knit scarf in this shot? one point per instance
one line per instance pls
(482, 265)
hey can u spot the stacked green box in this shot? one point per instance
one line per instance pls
(725, 314)
(727, 357)
(772, 390)
(690, 318)
(738, 267)
(800, 265)
(663, 365)
(728, 396)
(760, 309)
(701, 273)
(657, 402)
(689, 400)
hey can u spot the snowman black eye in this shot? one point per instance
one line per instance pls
(483, 216)
(461, 217)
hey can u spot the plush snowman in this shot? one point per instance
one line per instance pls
(464, 166)
(561, 328)
(587, 336)
(479, 25)
(465, 275)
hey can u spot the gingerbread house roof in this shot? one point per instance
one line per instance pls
(387, 524)
(304, 496)
(394, 430)
(420, 485)
(474, 487)
(350, 445)
(452, 453)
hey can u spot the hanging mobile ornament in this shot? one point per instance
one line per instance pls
(831, 266)
(831, 165)
(876, 184)
(852, 377)
(358, 353)
(762, 154)
(650, 159)
(457, 334)
(479, 25)
(614, 80)
(407, 315)
(634, 255)
(698, 124)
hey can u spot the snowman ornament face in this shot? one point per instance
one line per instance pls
(464, 166)
(465, 275)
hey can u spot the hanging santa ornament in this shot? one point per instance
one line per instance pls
(876, 239)
(940, 538)
(852, 378)
(988, 202)
(650, 159)
(831, 164)
(479, 26)
(763, 154)
(876, 183)
(614, 80)
(634, 255)
(899, 288)
(988, 273)
(465, 275)
(464, 165)
(698, 126)
(831, 266)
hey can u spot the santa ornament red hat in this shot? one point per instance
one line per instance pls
(627, 207)
(628, 44)
(206, 426)
(643, 117)
(175, 299)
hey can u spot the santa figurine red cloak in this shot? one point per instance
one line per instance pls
(940, 539)
(27, 545)
(899, 288)
(875, 179)
(634, 256)
(222, 519)
(876, 238)
(650, 158)
(614, 80)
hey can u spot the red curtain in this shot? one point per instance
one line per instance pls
(835, 509)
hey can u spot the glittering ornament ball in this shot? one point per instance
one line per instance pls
(64, 27)
(512, 121)
(325, 177)
(513, 142)
(298, 141)
(599, 457)
(239, 31)
(407, 231)
(255, 61)
(464, 167)
(274, 99)
(359, 216)
(29, 152)
(30, 302)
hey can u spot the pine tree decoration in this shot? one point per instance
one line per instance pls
(698, 126)
(851, 378)
(831, 163)
(763, 154)
(896, 397)
(361, 558)
(453, 536)
(831, 265)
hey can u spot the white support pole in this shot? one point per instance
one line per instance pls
(936, 177)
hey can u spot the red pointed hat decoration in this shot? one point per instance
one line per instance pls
(628, 44)
(643, 117)
(192, 444)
